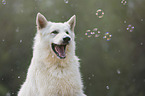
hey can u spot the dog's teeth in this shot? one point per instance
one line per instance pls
(56, 49)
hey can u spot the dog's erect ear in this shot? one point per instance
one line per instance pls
(41, 21)
(72, 22)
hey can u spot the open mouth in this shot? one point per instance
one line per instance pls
(59, 50)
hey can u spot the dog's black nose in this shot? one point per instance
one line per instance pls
(66, 39)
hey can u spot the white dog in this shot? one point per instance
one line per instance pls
(54, 68)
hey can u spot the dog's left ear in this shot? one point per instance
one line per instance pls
(41, 21)
(72, 22)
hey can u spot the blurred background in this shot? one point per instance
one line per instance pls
(110, 38)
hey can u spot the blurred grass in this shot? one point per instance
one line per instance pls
(100, 59)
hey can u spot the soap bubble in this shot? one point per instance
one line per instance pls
(124, 2)
(130, 28)
(95, 33)
(92, 33)
(88, 33)
(98, 33)
(107, 36)
(95, 29)
(4, 2)
(99, 13)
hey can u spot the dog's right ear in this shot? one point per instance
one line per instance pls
(41, 21)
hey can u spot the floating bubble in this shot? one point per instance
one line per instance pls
(95, 29)
(88, 33)
(92, 33)
(66, 1)
(107, 87)
(89, 78)
(141, 19)
(99, 13)
(118, 71)
(98, 33)
(124, 2)
(130, 28)
(141, 43)
(107, 36)
(4, 2)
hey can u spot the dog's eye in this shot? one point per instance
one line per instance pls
(54, 32)
(67, 32)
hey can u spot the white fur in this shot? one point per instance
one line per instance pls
(48, 75)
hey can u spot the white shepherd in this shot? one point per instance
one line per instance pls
(54, 68)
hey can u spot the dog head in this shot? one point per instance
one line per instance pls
(57, 37)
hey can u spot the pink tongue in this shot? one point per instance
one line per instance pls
(60, 50)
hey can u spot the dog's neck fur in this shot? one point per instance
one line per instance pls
(45, 54)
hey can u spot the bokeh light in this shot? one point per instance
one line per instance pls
(107, 87)
(66, 1)
(118, 71)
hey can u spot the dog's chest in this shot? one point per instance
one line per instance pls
(58, 82)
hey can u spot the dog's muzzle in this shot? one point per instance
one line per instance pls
(59, 50)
